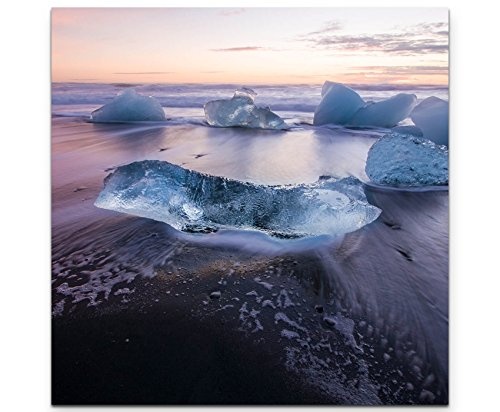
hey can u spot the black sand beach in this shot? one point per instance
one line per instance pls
(143, 314)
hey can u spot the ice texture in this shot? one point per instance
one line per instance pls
(343, 106)
(431, 116)
(241, 111)
(196, 202)
(338, 105)
(405, 160)
(413, 130)
(387, 113)
(129, 106)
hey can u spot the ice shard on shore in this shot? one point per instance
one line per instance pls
(343, 106)
(431, 116)
(241, 111)
(129, 106)
(405, 160)
(193, 201)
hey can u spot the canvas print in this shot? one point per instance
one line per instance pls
(249, 206)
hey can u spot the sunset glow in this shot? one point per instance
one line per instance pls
(253, 45)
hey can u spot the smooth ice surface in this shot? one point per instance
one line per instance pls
(192, 201)
(129, 106)
(339, 104)
(405, 160)
(387, 113)
(241, 111)
(343, 106)
(431, 116)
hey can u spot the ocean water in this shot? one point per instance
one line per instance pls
(293, 100)
(362, 318)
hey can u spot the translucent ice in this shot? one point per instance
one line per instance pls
(387, 113)
(431, 116)
(338, 105)
(405, 160)
(129, 106)
(241, 111)
(192, 201)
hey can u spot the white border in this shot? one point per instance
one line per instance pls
(474, 276)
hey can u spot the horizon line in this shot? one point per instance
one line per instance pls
(443, 85)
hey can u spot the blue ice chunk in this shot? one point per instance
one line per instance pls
(386, 113)
(338, 105)
(241, 111)
(405, 160)
(193, 201)
(343, 106)
(431, 116)
(129, 106)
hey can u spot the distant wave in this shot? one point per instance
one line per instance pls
(292, 98)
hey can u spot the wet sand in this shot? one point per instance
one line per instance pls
(146, 315)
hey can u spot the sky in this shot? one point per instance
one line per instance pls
(250, 45)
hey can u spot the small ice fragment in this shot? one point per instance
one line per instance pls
(431, 116)
(129, 106)
(407, 160)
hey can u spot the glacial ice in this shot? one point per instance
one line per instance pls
(241, 111)
(338, 105)
(129, 106)
(196, 202)
(431, 116)
(387, 113)
(412, 130)
(343, 106)
(405, 160)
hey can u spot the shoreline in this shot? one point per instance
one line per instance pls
(318, 326)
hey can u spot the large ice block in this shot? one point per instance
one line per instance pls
(343, 106)
(193, 201)
(431, 116)
(387, 113)
(338, 105)
(405, 160)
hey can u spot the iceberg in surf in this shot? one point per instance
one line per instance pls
(196, 202)
(343, 106)
(405, 160)
(431, 116)
(129, 106)
(338, 105)
(387, 113)
(241, 111)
